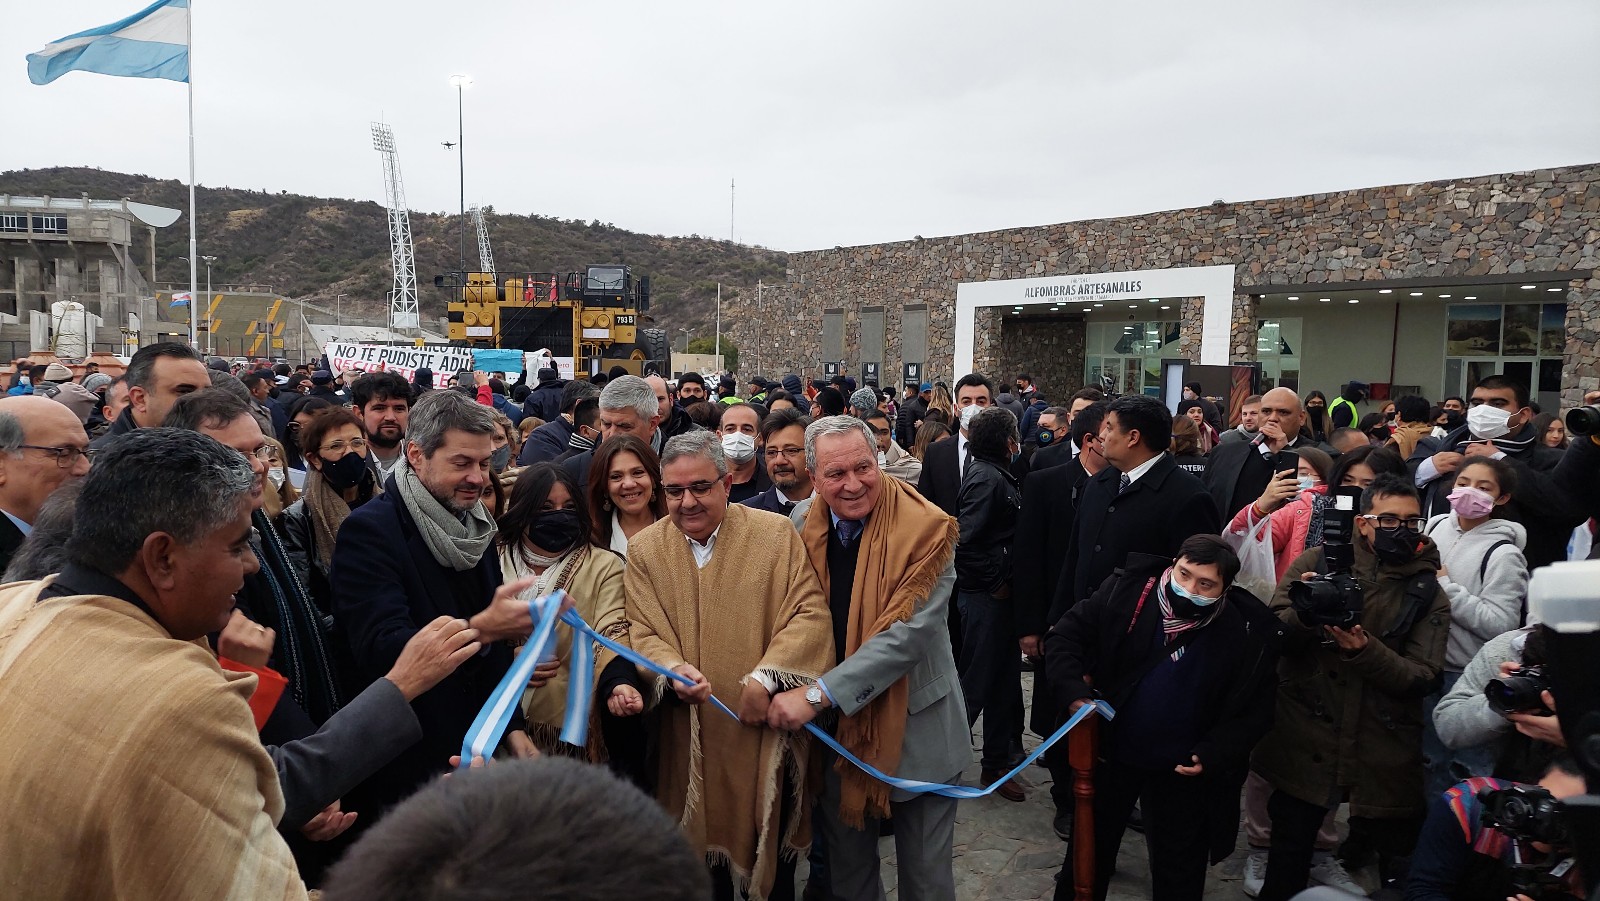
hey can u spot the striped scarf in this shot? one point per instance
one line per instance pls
(302, 653)
(1173, 625)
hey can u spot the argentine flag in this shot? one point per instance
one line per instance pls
(180, 299)
(149, 44)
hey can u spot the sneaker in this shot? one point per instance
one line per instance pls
(1255, 872)
(1063, 826)
(1327, 870)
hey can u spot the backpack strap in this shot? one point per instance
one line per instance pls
(1483, 568)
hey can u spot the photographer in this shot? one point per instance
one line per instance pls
(1578, 472)
(1349, 712)
(1465, 851)
(1519, 729)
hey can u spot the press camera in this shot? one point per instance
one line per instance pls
(1333, 598)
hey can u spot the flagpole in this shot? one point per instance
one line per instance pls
(194, 256)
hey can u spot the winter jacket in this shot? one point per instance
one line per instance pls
(1485, 597)
(1463, 718)
(1541, 502)
(544, 401)
(503, 404)
(1030, 421)
(1353, 722)
(546, 442)
(989, 501)
(1108, 638)
(1290, 525)
(905, 421)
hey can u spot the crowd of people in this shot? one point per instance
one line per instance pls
(250, 615)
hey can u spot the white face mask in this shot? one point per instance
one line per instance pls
(1308, 482)
(275, 475)
(1487, 423)
(740, 448)
(966, 415)
(883, 459)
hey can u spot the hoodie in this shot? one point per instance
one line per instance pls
(1485, 601)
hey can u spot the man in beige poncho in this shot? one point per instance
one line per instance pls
(724, 595)
(130, 767)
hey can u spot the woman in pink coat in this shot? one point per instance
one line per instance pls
(1295, 502)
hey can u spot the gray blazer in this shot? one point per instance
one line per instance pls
(938, 743)
(353, 744)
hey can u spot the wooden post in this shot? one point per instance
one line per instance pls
(1083, 747)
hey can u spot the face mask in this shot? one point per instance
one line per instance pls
(556, 530)
(1045, 437)
(1396, 545)
(739, 448)
(1488, 423)
(1185, 605)
(1308, 482)
(883, 459)
(966, 415)
(500, 459)
(1471, 503)
(344, 473)
(1188, 395)
(276, 476)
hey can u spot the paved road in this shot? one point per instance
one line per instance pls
(1007, 850)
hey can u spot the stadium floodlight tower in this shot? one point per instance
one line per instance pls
(403, 298)
(485, 252)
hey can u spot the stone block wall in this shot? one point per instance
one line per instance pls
(1049, 349)
(1543, 222)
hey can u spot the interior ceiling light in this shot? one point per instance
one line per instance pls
(1444, 296)
(1385, 290)
(1552, 289)
(1472, 297)
(1353, 300)
(1294, 297)
(1416, 293)
(1529, 287)
(1325, 299)
(1166, 308)
(1086, 309)
(1099, 305)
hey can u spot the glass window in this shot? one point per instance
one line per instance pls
(1473, 330)
(1130, 354)
(1278, 351)
(1521, 335)
(1553, 330)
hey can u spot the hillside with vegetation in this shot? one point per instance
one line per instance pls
(315, 248)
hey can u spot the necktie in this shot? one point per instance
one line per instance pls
(787, 507)
(849, 530)
(1123, 483)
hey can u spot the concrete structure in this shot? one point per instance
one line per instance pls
(1401, 285)
(61, 249)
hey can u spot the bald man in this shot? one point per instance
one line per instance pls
(1237, 472)
(42, 445)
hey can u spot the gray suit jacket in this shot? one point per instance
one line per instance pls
(938, 743)
(353, 744)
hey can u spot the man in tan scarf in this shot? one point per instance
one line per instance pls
(723, 594)
(886, 560)
(129, 763)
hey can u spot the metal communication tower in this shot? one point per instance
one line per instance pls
(403, 299)
(485, 252)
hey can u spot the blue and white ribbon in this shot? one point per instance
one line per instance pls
(491, 724)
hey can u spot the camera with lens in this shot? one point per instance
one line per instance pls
(1526, 814)
(1520, 692)
(1584, 420)
(1333, 598)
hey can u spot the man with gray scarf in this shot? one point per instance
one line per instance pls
(420, 551)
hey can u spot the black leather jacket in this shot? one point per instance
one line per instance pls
(987, 505)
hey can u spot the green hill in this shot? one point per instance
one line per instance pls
(314, 248)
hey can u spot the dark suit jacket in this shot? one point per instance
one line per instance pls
(11, 538)
(1236, 474)
(387, 586)
(578, 466)
(1158, 511)
(1044, 534)
(769, 501)
(1057, 454)
(546, 442)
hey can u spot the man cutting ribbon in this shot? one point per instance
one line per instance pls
(885, 558)
(700, 604)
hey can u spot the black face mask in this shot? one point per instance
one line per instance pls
(346, 472)
(556, 531)
(1045, 437)
(1396, 545)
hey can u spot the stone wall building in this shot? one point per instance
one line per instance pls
(1427, 287)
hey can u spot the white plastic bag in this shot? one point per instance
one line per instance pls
(1258, 570)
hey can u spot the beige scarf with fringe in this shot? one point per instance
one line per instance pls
(906, 545)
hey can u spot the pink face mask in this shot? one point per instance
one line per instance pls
(1471, 503)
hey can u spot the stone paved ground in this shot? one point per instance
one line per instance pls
(1007, 850)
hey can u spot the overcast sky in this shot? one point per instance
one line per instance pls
(842, 122)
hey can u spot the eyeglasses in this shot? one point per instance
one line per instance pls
(698, 489)
(66, 457)
(1390, 521)
(785, 452)
(265, 453)
(358, 445)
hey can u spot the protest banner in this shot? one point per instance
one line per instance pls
(445, 361)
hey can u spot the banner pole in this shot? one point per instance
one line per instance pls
(194, 276)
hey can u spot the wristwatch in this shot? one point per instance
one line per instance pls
(814, 696)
